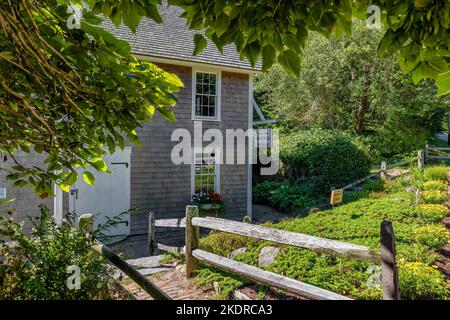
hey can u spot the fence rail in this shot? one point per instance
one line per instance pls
(387, 256)
(429, 153)
(148, 286)
(382, 172)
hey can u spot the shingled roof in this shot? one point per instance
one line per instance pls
(173, 40)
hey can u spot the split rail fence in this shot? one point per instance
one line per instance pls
(194, 256)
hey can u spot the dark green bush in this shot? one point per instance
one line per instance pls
(283, 196)
(323, 159)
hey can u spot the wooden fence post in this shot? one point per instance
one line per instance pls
(383, 170)
(86, 221)
(192, 238)
(389, 272)
(421, 159)
(151, 233)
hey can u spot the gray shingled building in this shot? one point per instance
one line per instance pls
(218, 92)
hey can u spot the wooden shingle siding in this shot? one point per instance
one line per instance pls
(159, 185)
(26, 203)
(156, 183)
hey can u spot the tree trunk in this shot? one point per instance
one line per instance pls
(362, 109)
(363, 102)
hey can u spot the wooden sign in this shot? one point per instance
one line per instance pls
(336, 196)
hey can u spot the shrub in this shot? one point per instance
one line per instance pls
(263, 191)
(435, 185)
(419, 281)
(431, 212)
(433, 197)
(324, 159)
(433, 236)
(283, 196)
(38, 267)
(436, 173)
(223, 244)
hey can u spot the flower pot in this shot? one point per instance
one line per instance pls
(210, 210)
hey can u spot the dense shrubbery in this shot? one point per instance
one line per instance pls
(283, 196)
(322, 159)
(346, 86)
(419, 236)
(38, 267)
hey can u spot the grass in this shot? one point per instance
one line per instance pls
(417, 220)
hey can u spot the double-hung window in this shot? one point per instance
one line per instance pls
(206, 95)
(205, 175)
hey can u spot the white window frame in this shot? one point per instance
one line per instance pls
(216, 168)
(218, 74)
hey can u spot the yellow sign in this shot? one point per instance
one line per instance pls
(337, 196)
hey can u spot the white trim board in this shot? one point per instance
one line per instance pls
(218, 74)
(193, 64)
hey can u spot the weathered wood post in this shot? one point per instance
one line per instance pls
(192, 238)
(383, 170)
(389, 272)
(448, 126)
(86, 222)
(151, 233)
(421, 159)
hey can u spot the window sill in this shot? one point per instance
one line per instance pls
(206, 119)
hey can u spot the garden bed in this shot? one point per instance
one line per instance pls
(417, 217)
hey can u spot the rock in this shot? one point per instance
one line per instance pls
(267, 256)
(237, 252)
(216, 286)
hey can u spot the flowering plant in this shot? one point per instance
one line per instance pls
(208, 198)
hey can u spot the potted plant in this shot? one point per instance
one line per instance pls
(210, 204)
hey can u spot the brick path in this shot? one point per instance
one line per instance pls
(174, 284)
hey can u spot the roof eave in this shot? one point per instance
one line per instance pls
(193, 63)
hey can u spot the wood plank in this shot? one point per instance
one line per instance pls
(389, 272)
(163, 247)
(359, 181)
(438, 157)
(171, 223)
(321, 245)
(267, 277)
(192, 240)
(155, 292)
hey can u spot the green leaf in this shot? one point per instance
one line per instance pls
(268, 56)
(443, 83)
(71, 178)
(292, 42)
(200, 43)
(89, 178)
(422, 3)
(290, 60)
(100, 165)
(222, 24)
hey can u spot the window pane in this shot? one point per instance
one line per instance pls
(212, 79)
(212, 89)
(199, 77)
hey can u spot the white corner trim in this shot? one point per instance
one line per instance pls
(250, 149)
(218, 74)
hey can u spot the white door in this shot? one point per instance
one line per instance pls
(110, 195)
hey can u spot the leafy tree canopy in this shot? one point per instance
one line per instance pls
(69, 93)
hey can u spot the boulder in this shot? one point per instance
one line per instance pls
(267, 256)
(237, 252)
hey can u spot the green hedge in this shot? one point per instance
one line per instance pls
(323, 159)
